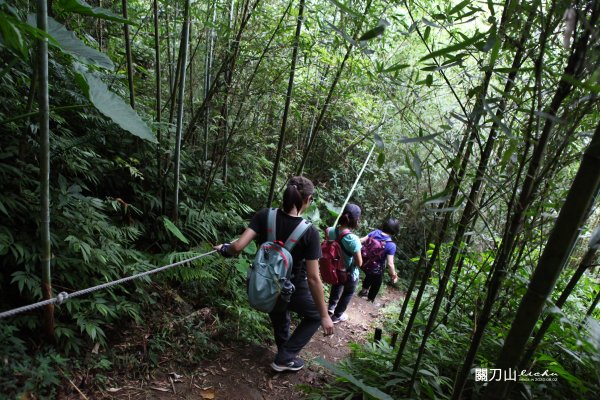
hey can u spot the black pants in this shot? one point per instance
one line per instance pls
(372, 282)
(303, 304)
(340, 296)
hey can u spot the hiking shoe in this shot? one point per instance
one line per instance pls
(341, 318)
(295, 365)
(363, 293)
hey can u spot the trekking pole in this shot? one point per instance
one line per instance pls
(354, 185)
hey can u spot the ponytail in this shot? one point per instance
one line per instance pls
(297, 191)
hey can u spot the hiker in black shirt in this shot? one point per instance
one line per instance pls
(307, 300)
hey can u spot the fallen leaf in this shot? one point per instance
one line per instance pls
(113, 390)
(160, 389)
(207, 394)
(175, 375)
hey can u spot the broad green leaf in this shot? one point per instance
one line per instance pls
(71, 44)
(171, 227)
(427, 33)
(455, 47)
(11, 37)
(112, 105)
(369, 390)
(372, 33)
(83, 8)
(418, 139)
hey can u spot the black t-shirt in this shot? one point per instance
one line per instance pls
(307, 248)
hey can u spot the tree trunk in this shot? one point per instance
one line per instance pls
(185, 31)
(44, 129)
(572, 216)
(585, 263)
(157, 67)
(330, 93)
(288, 99)
(469, 210)
(517, 220)
(129, 57)
(591, 309)
(208, 61)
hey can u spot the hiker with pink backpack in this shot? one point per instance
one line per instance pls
(377, 250)
(341, 261)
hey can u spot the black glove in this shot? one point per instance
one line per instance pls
(224, 250)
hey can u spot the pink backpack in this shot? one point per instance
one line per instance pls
(331, 264)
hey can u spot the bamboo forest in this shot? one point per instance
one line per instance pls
(141, 138)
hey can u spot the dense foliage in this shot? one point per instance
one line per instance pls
(479, 114)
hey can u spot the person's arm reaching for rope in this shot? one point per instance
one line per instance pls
(391, 269)
(236, 247)
(316, 289)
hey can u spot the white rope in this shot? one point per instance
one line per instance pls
(61, 297)
(354, 186)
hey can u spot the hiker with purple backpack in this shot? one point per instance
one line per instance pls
(342, 293)
(378, 249)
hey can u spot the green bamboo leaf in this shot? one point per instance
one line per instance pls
(378, 141)
(431, 24)
(372, 33)
(396, 67)
(381, 159)
(369, 390)
(437, 198)
(112, 105)
(83, 8)
(459, 7)
(341, 33)
(595, 239)
(490, 43)
(455, 47)
(345, 9)
(429, 80)
(419, 139)
(171, 227)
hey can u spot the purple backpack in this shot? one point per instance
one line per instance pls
(373, 253)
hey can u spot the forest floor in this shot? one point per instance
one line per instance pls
(244, 372)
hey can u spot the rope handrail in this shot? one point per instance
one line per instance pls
(63, 296)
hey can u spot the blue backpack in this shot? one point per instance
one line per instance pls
(272, 267)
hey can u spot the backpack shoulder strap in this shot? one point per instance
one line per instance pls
(296, 234)
(339, 238)
(271, 226)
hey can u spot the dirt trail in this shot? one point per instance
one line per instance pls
(244, 373)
